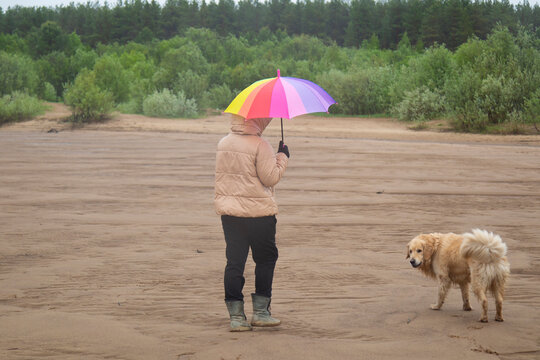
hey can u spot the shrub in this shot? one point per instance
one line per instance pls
(238, 51)
(210, 44)
(54, 68)
(218, 97)
(461, 93)
(512, 125)
(139, 89)
(19, 106)
(470, 118)
(87, 101)
(17, 73)
(431, 69)
(243, 75)
(161, 104)
(302, 47)
(495, 98)
(191, 84)
(186, 107)
(187, 57)
(470, 52)
(335, 57)
(532, 109)
(420, 105)
(162, 79)
(111, 77)
(130, 107)
(48, 92)
(166, 104)
(501, 51)
(359, 91)
(82, 58)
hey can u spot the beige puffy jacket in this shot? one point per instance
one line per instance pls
(247, 168)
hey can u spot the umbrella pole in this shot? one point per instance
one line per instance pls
(281, 129)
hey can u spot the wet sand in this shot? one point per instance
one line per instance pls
(110, 247)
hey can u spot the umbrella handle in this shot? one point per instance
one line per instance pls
(282, 129)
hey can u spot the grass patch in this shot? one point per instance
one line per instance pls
(507, 128)
(418, 126)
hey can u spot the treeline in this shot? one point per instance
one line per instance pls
(482, 84)
(416, 60)
(347, 23)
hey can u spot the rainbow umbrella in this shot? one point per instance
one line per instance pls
(280, 97)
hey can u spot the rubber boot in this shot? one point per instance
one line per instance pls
(261, 312)
(238, 318)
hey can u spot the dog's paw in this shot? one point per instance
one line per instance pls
(467, 307)
(435, 307)
(484, 320)
(499, 318)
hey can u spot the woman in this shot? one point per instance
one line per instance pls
(247, 169)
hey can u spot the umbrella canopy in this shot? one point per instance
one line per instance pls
(283, 97)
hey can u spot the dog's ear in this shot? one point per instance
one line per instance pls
(408, 256)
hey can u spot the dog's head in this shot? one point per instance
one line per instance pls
(420, 249)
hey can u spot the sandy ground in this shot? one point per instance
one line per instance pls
(110, 247)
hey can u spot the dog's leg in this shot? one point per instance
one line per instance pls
(498, 305)
(482, 298)
(444, 285)
(465, 296)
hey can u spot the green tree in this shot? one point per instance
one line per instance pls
(336, 57)
(145, 36)
(191, 84)
(361, 91)
(496, 98)
(86, 99)
(218, 97)
(456, 27)
(50, 38)
(238, 51)
(442, 21)
(210, 44)
(111, 76)
(187, 57)
(336, 25)
(431, 32)
(82, 58)
(17, 73)
(13, 43)
(468, 53)
(54, 68)
(434, 67)
(72, 44)
(302, 47)
(361, 22)
(412, 19)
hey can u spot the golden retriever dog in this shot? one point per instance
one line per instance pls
(477, 258)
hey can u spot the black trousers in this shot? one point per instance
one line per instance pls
(259, 234)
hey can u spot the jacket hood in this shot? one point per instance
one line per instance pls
(248, 127)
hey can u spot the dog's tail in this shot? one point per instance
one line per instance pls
(482, 246)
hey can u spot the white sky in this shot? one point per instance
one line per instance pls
(4, 4)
